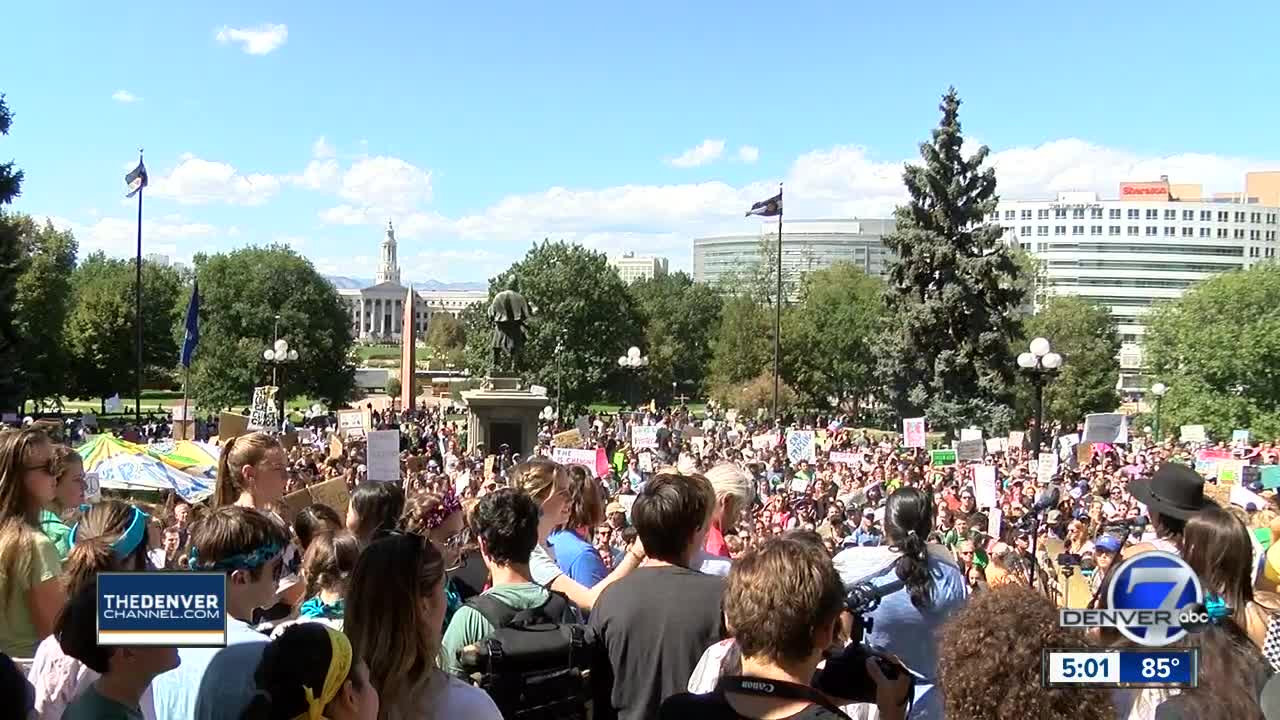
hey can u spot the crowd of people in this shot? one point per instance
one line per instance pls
(716, 553)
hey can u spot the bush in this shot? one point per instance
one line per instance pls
(755, 395)
(393, 386)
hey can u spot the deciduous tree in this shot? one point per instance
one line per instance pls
(1083, 332)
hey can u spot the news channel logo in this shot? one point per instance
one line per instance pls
(1154, 599)
(171, 609)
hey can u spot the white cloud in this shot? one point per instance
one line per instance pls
(345, 215)
(707, 151)
(257, 40)
(116, 236)
(386, 184)
(749, 154)
(318, 175)
(197, 182)
(124, 96)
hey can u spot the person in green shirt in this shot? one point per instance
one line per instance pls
(68, 494)
(126, 672)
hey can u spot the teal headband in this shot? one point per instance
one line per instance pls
(129, 540)
(243, 561)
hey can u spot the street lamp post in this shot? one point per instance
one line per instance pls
(559, 373)
(1159, 390)
(277, 355)
(1040, 364)
(634, 362)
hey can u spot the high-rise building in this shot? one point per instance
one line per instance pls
(633, 268)
(1146, 246)
(807, 245)
(157, 259)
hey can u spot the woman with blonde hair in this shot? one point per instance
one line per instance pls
(547, 482)
(68, 495)
(251, 472)
(440, 519)
(395, 612)
(734, 493)
(31, 594)
(110, 536)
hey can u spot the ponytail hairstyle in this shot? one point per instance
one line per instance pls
(328, 562)
(110, 536)
(301, 672)
(236, 453)
(908, 518)
(538, 477)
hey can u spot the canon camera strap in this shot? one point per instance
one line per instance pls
(781, 690)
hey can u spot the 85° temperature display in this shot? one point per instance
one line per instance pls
(1064, 667)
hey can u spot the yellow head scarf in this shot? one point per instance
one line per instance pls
(339, 669)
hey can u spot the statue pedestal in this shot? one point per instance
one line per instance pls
(503, 412)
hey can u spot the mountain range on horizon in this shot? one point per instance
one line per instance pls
(349, 283)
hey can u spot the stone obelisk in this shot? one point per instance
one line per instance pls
(408, 351)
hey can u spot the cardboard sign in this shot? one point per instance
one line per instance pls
(970, 433)
(1017, 439)
(382, 456)
(942, 458)
(913, 432)
(289, 440)
(970, 450)
(231, 426)
(488, 466)
(351, 423)
(331, 493)
(335, 448)
(568, 438)
(1192, 433)
(996, 445)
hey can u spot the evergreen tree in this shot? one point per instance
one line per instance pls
(954, 290)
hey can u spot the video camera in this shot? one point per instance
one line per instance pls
(845, 675)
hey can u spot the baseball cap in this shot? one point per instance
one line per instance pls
(614, 507)
(1107, 543)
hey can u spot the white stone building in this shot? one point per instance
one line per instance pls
(377, 312)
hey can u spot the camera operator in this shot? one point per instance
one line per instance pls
(906, 621)
(783, 604)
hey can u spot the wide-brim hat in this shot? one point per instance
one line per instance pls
(1174, 490)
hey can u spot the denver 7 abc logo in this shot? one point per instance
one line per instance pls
(1153, 599)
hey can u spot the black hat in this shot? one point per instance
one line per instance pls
(1174, 490)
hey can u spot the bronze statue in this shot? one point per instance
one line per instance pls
(509, 313)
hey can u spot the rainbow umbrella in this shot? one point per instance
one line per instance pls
(122, 465)
(189, 456)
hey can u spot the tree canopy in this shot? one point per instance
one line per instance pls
(1083, 332)
(953, 290)
(581, 305)
(242, 292)
(681, 318)
(1215, 348)
(42, 303)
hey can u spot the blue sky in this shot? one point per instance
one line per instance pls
(479, 129)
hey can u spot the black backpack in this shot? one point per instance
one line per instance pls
(536, 663)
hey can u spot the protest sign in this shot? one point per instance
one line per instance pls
(913, 433)
(969, 450)
(1230, 472)
(231, 426)
(644, 437)
(941, 458)
(800, 484)
(984, 486)
(1240, 436)
(1046, 468)
(568, 438)
(764, 442)
(262, 412)
(574, 456)
(1243, 497)
(848, 458)
(1109, 428)
(331, 493)
(994, 517)
(583, 425)
(603, 468)
(800, 445)
(307, 436)
(970, 433)
(335, 448)
(644, 461)
(1192, 433)
(92, 487)
(1016, 439)
(351, 423)
(382, 456)
(996, 445)
(1270, 476)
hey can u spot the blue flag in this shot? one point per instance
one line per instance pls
(193, 326)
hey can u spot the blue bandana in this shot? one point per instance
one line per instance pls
(243, 561)
(129, 540)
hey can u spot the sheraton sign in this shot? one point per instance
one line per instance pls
(1144, 191)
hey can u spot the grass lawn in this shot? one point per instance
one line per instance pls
(379, 352)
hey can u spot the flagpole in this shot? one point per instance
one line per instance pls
(777, 315)
(186, 379)
(137, 299)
